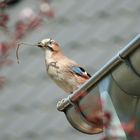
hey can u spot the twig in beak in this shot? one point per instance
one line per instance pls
(17, 50)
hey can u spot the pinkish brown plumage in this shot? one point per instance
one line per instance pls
(66, 73)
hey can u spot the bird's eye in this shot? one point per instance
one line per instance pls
(49, 45)
(51, 41)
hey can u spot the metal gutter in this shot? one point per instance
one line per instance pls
(100, 74)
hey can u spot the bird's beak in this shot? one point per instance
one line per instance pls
(40, 44)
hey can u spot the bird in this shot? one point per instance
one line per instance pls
(65, 72)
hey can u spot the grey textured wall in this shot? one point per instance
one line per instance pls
(90, 32)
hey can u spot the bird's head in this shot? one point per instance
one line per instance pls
(49, 45)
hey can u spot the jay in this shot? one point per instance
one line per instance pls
(66, 73)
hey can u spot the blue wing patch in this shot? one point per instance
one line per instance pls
(80, 71)
(77, 70)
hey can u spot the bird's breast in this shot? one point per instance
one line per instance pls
(67, 83)
(53, 69)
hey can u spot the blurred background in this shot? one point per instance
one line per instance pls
(89, 31)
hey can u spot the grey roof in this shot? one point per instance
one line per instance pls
(90, 32)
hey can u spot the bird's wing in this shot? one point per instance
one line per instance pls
(80, 72)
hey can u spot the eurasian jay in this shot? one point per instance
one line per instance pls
(66, 73)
